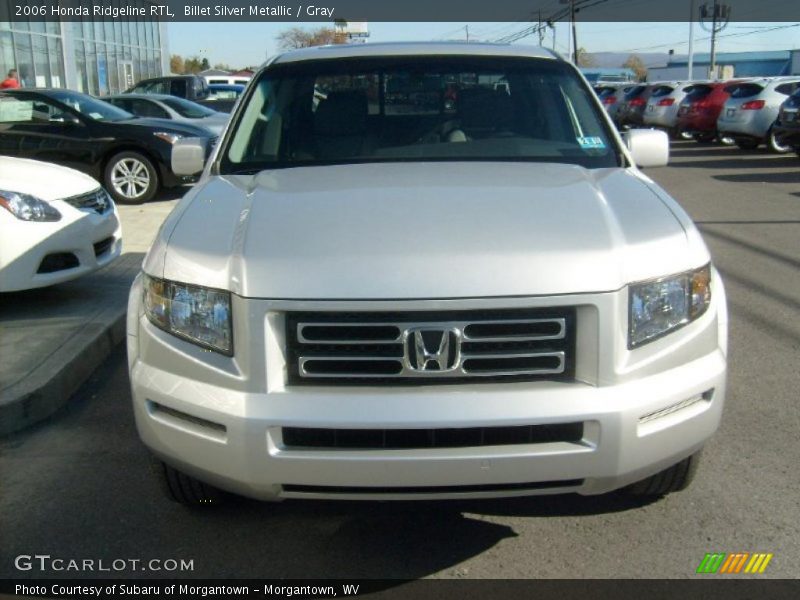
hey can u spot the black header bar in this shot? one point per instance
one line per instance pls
(399, 10)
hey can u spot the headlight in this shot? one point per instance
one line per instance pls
(197, 314)
(170, 138)
(28, 208)
(660, 306)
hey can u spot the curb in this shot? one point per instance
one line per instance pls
(51, 385)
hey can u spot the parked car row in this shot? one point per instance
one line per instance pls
(743, 111)
(124, 141)
(219, 97)
(66, 156)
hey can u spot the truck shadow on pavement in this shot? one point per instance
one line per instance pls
(88, 457)
(772, 177)
(740, 162)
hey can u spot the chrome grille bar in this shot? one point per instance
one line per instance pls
(428, 347)
(97, 200)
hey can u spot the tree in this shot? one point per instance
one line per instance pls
(635, 64)
(297, 37)
(176, 64)
(193, 64)
(585, 59)
(223, 67)
(204, 65)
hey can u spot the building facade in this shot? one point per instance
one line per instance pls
(771, 63)
(96, 57)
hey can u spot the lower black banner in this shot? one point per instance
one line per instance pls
(439, 589)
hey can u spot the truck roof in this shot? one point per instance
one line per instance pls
(413, 49)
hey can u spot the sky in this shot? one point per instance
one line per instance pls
(249, 44)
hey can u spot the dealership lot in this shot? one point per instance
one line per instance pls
(78, 485)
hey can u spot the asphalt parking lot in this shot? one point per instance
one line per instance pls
(78, 485)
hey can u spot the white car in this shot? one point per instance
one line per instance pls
(750, 112)
(56, 224)
(488, 299)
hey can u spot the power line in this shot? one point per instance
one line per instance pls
(728, 35)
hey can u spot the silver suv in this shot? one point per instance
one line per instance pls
(373, 293)
(750, 112)
(663, 104)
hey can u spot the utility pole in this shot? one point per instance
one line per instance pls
(691, 40)
(713, 72)
(574, 31)
(574, 34)
(466, 28)
(540, 30)
(720, 16)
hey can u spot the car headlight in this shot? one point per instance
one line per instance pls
(196, 314)
(170, 138)
(28, 208)
(662, 305)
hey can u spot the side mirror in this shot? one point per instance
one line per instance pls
(188, 156)
(648, 147)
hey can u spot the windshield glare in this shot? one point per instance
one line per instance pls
(419, 109)
(92, 107)
(186, 108)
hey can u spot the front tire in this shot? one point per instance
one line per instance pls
(673, 479)
(131, 178)
(186, 490)
(774, 145)
(705, 137)
(746, 143)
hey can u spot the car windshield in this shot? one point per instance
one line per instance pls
(186, 108)
(602, 92)
(92, 107)
(662, 90)
(745, 90)
(419, 109)
(635, 91)
(698, 91)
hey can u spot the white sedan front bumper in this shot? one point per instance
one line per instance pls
(81, 242)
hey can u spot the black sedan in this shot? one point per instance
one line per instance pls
(130, 156)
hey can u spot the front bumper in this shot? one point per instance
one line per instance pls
(745, 123)
(93, 240)
(661, 116)
(220, 419)
(697, 123)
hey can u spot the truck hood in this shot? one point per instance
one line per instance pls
(425, 230)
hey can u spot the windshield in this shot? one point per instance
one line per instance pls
(636, 91)
(745, 90)
(186, 108)
(662, 90)
(92, 107)
(419, 109)
(696, 92)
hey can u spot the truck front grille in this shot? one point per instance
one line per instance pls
(394, 439)
(430, 347)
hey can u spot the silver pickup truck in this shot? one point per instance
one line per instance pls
(470, 290)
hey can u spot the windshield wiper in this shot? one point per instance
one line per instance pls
(250, 171)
